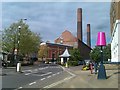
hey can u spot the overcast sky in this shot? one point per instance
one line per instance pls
(50, 19)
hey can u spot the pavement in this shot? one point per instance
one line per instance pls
(84, 79)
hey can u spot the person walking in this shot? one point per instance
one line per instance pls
(91, 67)
(95, 67)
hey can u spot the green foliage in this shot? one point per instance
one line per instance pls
(75, 55)
(72, 63)
(43, 51)
(95, 53)
(58, 60)
(107, 52)
(28, 41)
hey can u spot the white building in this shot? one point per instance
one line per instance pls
(115, 42)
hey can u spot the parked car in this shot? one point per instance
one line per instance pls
(81, 62)
(85, 67)
(4, 64)
(3, 59)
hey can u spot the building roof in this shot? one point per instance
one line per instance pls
(65, 54)
(66, 38)
(56, 44)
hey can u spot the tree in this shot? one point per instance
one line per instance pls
(75, 55)
(95, 53)
(28, 40)
(43, 52)
(107, 52)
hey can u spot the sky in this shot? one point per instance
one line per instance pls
(50, 19)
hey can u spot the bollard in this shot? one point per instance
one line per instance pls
(66, 65)
(19, 67)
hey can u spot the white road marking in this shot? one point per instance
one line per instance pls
(32, 83)
(68, 71)
(42, 79)
(54, 67)
(42, 68)
(27, 70)
(42, 74)
(39, 68)
(35, 69)
(53, 74)
(61, 81)
(48, 76)
(20, 87)
(28, 73)
(58, 73)
(56, 83)
(45, 67)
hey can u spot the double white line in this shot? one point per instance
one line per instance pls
(61, 81)
(42, 74)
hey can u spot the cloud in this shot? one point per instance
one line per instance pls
(57, 0)
(51, 19)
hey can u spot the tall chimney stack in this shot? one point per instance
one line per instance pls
(88, 35)
(79, 24)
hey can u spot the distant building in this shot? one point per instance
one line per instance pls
(54, 50)
(115, 31)
(67, 39)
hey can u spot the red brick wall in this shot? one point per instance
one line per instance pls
(56, 50)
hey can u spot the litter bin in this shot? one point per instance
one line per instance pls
(19, 67)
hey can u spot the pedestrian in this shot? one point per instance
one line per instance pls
(95, 67)
(91, 67)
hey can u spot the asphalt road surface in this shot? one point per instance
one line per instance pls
(40, 76)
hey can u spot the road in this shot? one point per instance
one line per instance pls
(40, 76)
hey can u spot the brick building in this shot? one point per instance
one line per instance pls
(54, 50)
(67, 39)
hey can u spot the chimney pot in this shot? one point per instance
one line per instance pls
(88, 35)
(79, 23)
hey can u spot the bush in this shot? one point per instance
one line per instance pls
(72, 63)
(58, 61)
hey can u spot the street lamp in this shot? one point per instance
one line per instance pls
(16, 51)
(18, 40)
(18, 66)
(101, 41)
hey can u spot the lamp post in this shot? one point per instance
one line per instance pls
(101, 41)
(18, 66)
(18, 40)
(16, 51)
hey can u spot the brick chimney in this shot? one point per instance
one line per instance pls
(88, 35)
(79, 24)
